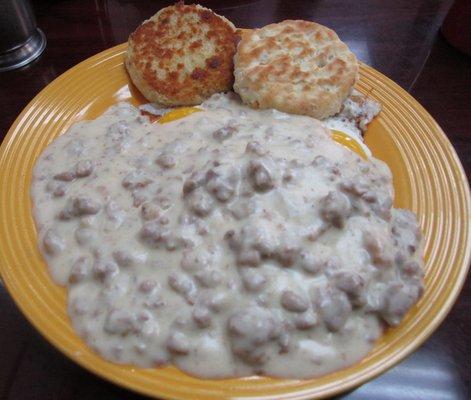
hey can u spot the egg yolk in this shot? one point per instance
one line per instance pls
(350, 143)
(339, 136)
(178, 113)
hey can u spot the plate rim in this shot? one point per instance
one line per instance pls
(438, 316)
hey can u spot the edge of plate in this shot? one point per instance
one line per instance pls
(345, 385)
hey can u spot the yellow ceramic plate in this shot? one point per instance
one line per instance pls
(427, 176)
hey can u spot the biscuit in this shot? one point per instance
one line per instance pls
(298, 67)
(182, 55)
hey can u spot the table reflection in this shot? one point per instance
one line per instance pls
(426, 374)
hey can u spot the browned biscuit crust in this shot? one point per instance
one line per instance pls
(298, 67)
(182, 55)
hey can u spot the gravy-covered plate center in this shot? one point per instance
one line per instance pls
(230, 242)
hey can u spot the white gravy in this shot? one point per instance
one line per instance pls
(231, 242)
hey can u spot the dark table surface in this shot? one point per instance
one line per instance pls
(399, 38)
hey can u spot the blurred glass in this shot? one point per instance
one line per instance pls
(20, 39)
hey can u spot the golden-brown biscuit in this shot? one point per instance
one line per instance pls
(182, 55)
(298, 67)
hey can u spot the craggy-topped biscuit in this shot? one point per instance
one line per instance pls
(182, 55)
(298, 67)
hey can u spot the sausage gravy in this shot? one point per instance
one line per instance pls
(231, 242)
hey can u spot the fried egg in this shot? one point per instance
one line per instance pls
(348, 126)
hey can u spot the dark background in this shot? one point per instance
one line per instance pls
(399, 38)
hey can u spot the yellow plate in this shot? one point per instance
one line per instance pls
(428, 179)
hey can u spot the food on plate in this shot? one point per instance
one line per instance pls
(298, 67)
(348, 126)
(229, 242)
(356, 113)
(182, 55)
(229, 239)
